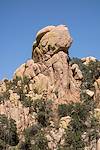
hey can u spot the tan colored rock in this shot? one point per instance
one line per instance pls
(97, 91)
(53, 41)
(15, 110)
(43, 31)
(49, 72)
(55, 137)
(77, 74)
(64, 122)
(40, 83)
(97, 113)
(20, 71)
(98, 144)
(50, 77)
(14, 97)
(90, 93)
(87, 60)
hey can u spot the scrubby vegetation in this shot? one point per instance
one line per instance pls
(82, 121)
(34, 139)
(82, 129)
(17, 88)
(44, 111)
(90, 72)
(8, 132)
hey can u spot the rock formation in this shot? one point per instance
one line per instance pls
(47, 76)
(49, 68)
(87, 60)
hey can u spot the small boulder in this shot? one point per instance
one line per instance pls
(64, 122)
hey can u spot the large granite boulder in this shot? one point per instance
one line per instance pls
(49, 69)
(49, 41)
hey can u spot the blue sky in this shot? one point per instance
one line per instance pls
(21, 19)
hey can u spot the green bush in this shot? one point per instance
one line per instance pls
(73, 140)
(8, 131)
(73, 110)
(41, 142)
(26, 101)
(90, 72)
(4, 96)
(43, 110)
(65, 109)
(24, 146)
(19, 89)
(82, 120)
(34, 139)
(73, 136)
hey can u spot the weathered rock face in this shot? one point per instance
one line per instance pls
(15, 110)
(87, 60)
(47, 76)
(49, 41)
(97, 91)
(49, 68)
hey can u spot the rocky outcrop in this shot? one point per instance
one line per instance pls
(15, 110)
(87, 60)
(49, 68)
(48, 75)
(49, 41)
(48, 72)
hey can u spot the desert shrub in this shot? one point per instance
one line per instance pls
(73, 110)
(93, 130)
(26, 101)
(24, 146)
(19, 89)
(34, 139)
(88, 101)
(32, 130)
(2, 145)
(25, 80)
(16, 79)
(4, 96)
(41, 142)
(73, 136)
(90, 72)
(43, 110)
(73, 140)
(1, 98)
(65, 109)
(13, 85)
(82, 120)
(8, 84)
(8, 131)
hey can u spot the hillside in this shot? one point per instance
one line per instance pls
(53, 101)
